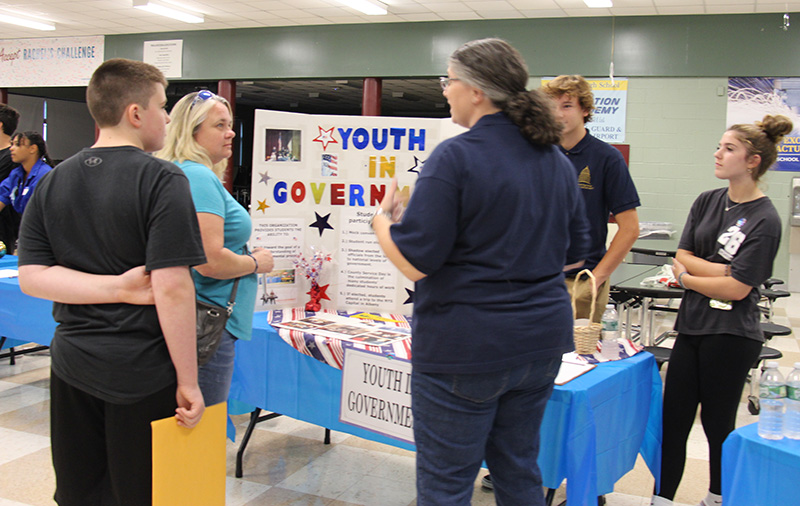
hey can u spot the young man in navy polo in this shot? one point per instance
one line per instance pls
(606, 186)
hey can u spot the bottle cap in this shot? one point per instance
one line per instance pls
(611, 306)
(771, 365)
(797, 365)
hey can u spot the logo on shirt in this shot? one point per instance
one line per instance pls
(93, 161)
(585, 179)
(731, 239)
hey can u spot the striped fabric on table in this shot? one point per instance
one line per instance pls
(331, 350)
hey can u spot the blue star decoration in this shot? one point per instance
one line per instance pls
(418, 164)
(321, 223)
(264, 178)
(410, 299)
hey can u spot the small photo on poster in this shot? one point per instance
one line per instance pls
(330, 165)
(282, 145)
(273, 285)
(280, 277)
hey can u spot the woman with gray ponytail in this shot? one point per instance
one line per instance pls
(494, 217)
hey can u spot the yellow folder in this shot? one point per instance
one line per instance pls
(189, 464)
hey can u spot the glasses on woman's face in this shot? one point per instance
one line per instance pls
(445, 81)
(201, 96)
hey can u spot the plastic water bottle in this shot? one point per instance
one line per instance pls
(791, 420)
(772, 392)
(610, 333)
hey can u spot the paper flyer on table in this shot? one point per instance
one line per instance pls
(357, 330)
(572, 366)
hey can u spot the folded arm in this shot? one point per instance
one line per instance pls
(70, 286)
(709, 278)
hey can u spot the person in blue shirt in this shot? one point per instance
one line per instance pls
(494, 219)
(200, 141)
(606, 186)
(28, 149)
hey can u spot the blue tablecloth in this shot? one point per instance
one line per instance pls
(760, 472)
(593, 428)
(23, 319)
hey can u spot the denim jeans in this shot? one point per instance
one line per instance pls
(462, 419)
(215, 376)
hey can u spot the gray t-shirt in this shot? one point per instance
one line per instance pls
(105, 211)
(746, 236)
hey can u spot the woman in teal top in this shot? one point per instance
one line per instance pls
(200, 141)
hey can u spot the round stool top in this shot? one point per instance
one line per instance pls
(773, 329)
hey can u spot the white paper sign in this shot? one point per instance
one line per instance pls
(165, 55)
(376, 394)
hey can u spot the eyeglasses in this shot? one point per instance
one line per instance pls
(445, 81)
(201, 96)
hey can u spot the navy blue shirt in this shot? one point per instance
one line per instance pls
(492, 221)
(606, 186)
(16, 190)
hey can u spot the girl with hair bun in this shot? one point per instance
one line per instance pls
(726, 251)
(495, 215)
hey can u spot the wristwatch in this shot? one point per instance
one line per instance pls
(379, 212)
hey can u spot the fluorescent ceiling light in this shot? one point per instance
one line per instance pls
(169, 12)
(29, 23)
(372, 8)
(597, 4)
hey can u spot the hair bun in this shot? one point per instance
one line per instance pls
(775, 127)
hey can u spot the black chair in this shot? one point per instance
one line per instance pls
(770, 295)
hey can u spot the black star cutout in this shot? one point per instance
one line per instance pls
(410, 299)
(418, 164)
(321, 223)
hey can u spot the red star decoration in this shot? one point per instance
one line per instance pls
(322, 292)
(325, 137)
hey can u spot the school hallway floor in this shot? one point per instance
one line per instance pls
(287, 463)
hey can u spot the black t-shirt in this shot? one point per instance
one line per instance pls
(104, 211)
(746, 236)
(9, 218)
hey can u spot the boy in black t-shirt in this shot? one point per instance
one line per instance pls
(125, 345)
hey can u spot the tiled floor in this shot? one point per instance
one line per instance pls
(287, 463)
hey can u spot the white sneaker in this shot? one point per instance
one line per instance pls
(711, 500)
(660, 501)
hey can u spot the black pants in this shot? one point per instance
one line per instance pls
(710, 371)
(102, 452)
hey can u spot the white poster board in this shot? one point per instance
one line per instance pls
(60, 61)
(376, 394)
(317, 180)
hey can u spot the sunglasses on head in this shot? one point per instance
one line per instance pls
(202, 96)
